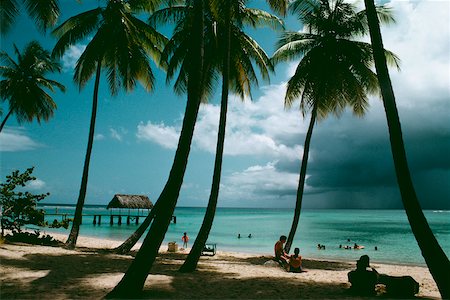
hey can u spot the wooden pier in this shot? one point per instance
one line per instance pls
(130, 218)
(112, 218)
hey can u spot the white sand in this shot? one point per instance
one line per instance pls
(30, 272)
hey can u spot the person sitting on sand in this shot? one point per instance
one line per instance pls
(295, 262)
(280, 255)
(363, 281)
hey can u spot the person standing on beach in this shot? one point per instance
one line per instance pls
(185, 240)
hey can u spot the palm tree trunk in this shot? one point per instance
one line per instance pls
(126, 246)
(73, 236)
(5, 119)
(190, 264)
(133, 281)
(301, 182)
(437, 262)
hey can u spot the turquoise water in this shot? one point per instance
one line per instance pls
(388, 230)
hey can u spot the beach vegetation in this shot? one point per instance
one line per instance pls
(24, 84)
(44, 13)
(435, 258)
(234, 51)
(18, 206)
(334, 71)
(185, 52)
(122, 45)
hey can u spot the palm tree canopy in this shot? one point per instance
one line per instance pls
(335, 70)
(245, 53)
(24, 84)
(44, 12)
(121, 42)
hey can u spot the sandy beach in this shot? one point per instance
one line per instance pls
(41, 272)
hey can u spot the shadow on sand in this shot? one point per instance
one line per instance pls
(78, 274)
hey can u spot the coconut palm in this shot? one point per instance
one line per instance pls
(25, 84)
(436, 259)
(186, 54)
(178, 50)
(45, 13)
(121, 44)
(235, 52)
(334, 71)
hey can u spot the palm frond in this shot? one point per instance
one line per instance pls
(75, 29)
(8, 13)
(44, 12)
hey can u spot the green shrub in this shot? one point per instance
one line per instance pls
(18, 207)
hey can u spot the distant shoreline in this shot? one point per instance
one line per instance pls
(41, 204)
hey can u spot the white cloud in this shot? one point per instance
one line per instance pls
(71, 56)
(259, 183)
(99, 137)
(16, 139)
(36, 184)
(166, 136)
(261, 128)
(117, 134)
(421, 38)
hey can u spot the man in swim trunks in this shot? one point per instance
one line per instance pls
(280, 254)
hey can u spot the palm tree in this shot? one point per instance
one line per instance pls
(436, 259)
(121, 45)
(233, 46)
(25, 83)
(186, 53)
(45, 13)
(333, 73)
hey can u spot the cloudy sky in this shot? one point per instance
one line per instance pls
(350, 161)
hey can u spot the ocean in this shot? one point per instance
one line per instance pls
(388, 230)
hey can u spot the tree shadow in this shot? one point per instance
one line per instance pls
(60, 276)
(82, 276)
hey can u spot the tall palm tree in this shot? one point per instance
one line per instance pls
(334, 71)
(45, 13)
(25, 84)
(235, 53)
(187, 54)
(436, 259)
(177, 49)
(122, 45)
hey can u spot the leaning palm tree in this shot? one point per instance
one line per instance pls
(45, 13)
(177, 48)
(436, 259)
(25, 84)
(235, 52)
(122, 45)
(186, 54)
(334, 71)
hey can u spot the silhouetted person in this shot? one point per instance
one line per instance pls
(239, 235)
(363, 281)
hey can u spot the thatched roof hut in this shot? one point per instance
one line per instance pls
(130, 201)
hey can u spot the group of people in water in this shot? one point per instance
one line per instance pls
(249, 236)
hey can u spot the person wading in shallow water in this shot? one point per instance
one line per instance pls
(185, 240)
